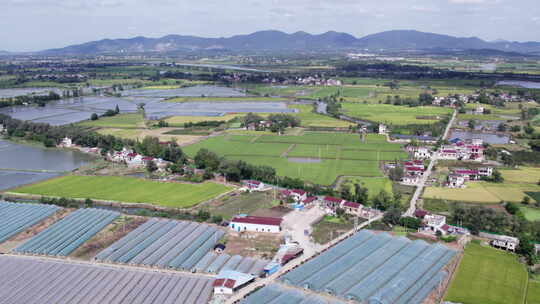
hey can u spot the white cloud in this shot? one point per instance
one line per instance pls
(467, 1)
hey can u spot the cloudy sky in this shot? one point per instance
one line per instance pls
(28, 25)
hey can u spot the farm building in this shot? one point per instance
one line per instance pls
(66, 235)
(275, 293)
(456, 181)
(501, 241)
(375, 268)
(214, 263)
(165, 244)
(16, 218)
(229, 281)
(33, 280)
(256, 224)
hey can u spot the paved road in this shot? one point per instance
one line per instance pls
(433, 160)
(294, 263)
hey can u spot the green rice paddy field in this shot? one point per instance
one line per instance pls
(317, 157)
(119, 121)
(126, 189)
(394, 115)
(489, 276)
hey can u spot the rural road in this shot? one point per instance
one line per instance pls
(294, 263)
(433, 160)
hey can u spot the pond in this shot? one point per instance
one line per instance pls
(21, 164)
(490, 138)
(519, 83)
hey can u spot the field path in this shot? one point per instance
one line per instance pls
(286, 153)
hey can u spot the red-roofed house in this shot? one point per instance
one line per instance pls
(297, 195)
(253, 185)
(351, 207)
(256, 224)
(332, 202)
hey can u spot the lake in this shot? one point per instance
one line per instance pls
(18, 161)
(519, 83)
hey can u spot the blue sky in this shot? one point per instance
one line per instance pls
(29, 25)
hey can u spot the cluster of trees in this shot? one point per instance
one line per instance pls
(52, 135)
(424, 99)
(209, 123)
(40, 100)
(278, 122)
(108, 113)
(237, 170)
(478, 218)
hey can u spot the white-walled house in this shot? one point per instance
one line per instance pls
(256, 224)
(65, 143)
(382, 129)
(253, 185)
(297, 195)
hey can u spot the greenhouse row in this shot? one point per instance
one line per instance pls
(35, 280)
(275, 293)
(16, 218)
(66, 235)
(213, 263)
(165, 244)
(375, 268)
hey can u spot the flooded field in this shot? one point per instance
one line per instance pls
(195, 91)
(22, 164)
(490, 138)
(519, 83)
(12, 179)
(78, 109)
(5, 93)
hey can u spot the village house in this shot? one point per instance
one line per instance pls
(256, 224)
(455, 181)
(299, 196)
(434, 223)
(459, 150)
(332, 203)
(368, 213)
(411, 180)
(382, 129)
(422, 153)
(351, 207)
(252, 185)
(501, 241)
(65, 143)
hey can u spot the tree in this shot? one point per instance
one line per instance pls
(526, 200)
(151, 166)
(411, 222)
(117, 110)
(535, 145)
(396, 173)
(392, 216)
(511, 208)
(471, 124)
(94, 116)
(205, 159)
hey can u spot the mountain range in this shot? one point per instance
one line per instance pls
(300, 41)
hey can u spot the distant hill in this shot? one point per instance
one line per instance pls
(280, 41)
